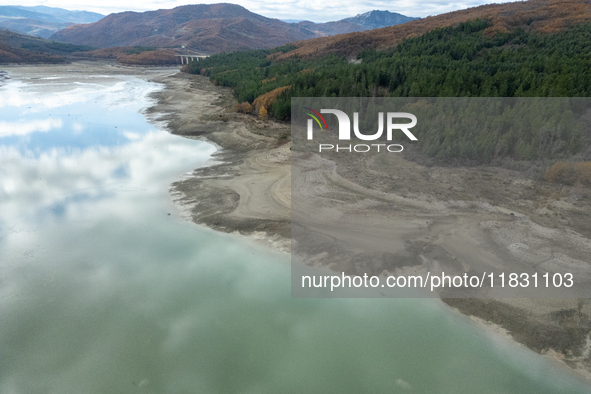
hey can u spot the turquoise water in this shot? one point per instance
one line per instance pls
(102, 291)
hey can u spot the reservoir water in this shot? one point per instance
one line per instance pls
(104, 289)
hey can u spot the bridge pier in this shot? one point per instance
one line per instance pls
(185, 59)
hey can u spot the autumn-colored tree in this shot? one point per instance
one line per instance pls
(263, 114)
(8, 57)
(150, 57)
(583, 172)
(134, 55)
(267, 99)
(569, 173)
(244, 107)
(549, 16)
(454, 59)
(561, 172)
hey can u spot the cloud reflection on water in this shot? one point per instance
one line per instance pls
(30, 183)
(24, 127)
(80, 114)
(74, 174)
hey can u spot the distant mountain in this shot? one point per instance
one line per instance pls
(62, 15)
(368, 21)
(212, 28)
(21, 48)
(331, 28)
(25, 49)
(377, 19)
(17, 12)
(42, 21)
(32, 27)
(208, 28)
(545, 16)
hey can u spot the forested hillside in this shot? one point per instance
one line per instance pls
(149, 56)
(446, 62)
(540, 16)
(20, 48)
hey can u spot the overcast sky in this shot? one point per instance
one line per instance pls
(314, 10)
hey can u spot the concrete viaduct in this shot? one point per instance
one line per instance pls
(185, 59)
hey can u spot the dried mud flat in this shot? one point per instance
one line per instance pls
(80, 71)
(414, 219)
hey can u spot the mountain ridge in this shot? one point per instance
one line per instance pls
(64, 15)
(377, 19)
(545, 16)
(210, 28)
(22, 48)
(42, 21)
(374, 19)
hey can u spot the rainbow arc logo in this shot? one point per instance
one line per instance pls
(316, 117)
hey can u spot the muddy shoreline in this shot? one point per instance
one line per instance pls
(247, 190)
(253, 157)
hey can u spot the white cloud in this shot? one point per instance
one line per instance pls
(151, 162)
(78, 128)
(26, 127)
(132, 136)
